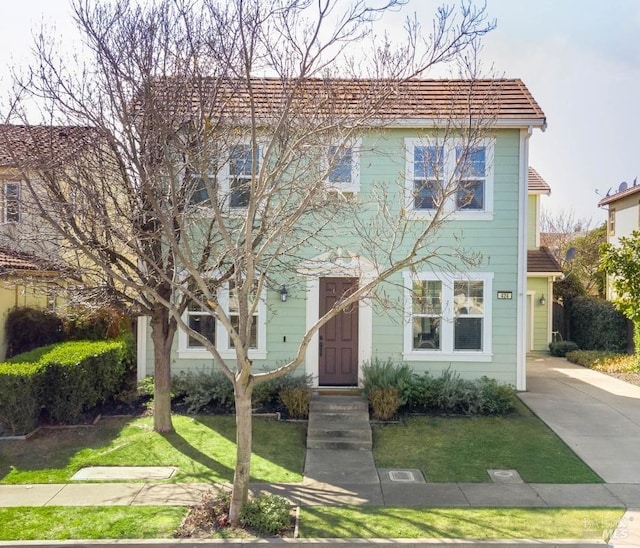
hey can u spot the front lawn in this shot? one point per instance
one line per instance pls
(203, 448)
(462, 449)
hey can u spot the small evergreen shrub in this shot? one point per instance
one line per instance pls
(21, 388)
(202, 389)
(561, 348)
(266, 514)
(29, 328)
(449, 393)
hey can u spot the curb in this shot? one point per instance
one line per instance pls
(311, 543)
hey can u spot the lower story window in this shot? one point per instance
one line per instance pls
(449, 315)
(205, 324)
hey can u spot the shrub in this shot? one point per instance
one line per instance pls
(455, 394)
(586, 358)
(295, 395)
(420, 392)
(496, 399)
(85, 323)
(267, 514)
(64, 379)
(384, 402)
(560, 348)
(606, 362)
(384, 374)
(21, 387)
(202, 389)
(597, 325)
(29, 328)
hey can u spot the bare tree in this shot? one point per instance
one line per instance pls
(224, 128)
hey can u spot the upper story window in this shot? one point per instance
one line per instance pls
(344, 167)
(449, 317)
(451, 176)
(11, 202)
(612, 221)
(240, 170)
(207, 325)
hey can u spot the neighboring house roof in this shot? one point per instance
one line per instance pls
(542, 261)
(537, 185)
(27, 146)
(506, 102)
(635, 189)
(21, 262)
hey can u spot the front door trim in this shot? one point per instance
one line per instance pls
(365, 325)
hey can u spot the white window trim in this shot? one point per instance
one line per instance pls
(450, 210)
(447, 339)
(224, 177)
(222, 336)
(354, 185)
(5, 202)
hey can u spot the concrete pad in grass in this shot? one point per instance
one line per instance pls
(124, 473)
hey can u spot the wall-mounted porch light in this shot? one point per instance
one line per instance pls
(283, 294)
(542, 301)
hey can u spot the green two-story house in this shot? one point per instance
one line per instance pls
(464, 307)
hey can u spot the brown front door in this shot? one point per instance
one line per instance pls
(338, 344)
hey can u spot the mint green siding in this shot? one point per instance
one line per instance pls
(382, 164)
(540, 326)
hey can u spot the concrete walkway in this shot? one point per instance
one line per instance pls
(596, 415)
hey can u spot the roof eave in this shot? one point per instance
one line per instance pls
(510, 123)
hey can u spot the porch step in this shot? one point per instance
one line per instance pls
(339, 422)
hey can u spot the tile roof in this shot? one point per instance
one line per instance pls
(635, 188)
(504, 101)
(42, 146)
(12, 260)
(541, 260)
(537, 185)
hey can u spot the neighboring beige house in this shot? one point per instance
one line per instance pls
(29, 273)
(26, 280)
(542, 271)
(623, 214)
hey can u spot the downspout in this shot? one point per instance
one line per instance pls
(521, 305)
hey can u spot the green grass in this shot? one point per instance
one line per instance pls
(458, 523)
(203, 448)
(137, 522)
(87, 522)
(462, 449)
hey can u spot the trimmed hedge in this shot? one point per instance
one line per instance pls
(28, 328)
(64, 380)
(597, 325)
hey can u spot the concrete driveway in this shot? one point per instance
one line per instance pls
(598, 416)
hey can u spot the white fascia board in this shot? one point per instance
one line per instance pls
(516, 123)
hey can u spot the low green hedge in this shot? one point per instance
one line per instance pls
(64, 379)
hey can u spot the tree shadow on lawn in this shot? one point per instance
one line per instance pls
(280, 443)
(55, 448)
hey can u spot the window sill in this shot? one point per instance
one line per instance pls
(425, 356)
(186, 354)
(420, 215)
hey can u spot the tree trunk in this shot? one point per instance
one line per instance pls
(240, 490)
(636, 340)
(162, 337)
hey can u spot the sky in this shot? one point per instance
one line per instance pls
(579, 58)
